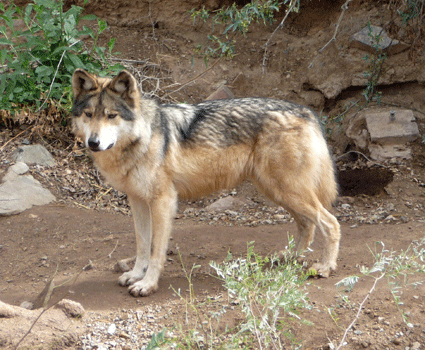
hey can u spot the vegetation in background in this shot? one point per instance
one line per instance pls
(37, 62)
(234, 21)
(376, 64)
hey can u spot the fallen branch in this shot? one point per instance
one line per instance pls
(344, 8)
(288, 11)
(341, 344)
(362, 154)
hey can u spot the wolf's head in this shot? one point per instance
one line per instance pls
(105, 110)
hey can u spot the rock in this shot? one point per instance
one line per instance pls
(223, 92)
(112, 328)
(416, 346)
(392, 126)
(345, 206)
(384, 132)
(19, 192)
(333, 85)
(33, 154)
(15, 170)
(327, 76)
(224, 203)
(89, 266)
(373, 38)
(122, 265)
(385, 152)
(357, 131)
(27, 305)
(71, 308)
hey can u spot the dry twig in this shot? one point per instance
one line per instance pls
(191, 80)
(54, 77)
(341, 344)
(344, 8)
(288, 11)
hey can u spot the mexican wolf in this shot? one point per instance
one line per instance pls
(157, 153)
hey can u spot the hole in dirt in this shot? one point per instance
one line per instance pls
(370, 181)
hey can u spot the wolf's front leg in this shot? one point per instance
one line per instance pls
(163, 209)
(142, 227)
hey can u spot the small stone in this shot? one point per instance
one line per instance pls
(27, 305)
(111, 329)
(71, 308)
(33, 154)
(124, 335)
(365, 40)
(416, 346)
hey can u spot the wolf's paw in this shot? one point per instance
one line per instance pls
(143, 288)
(130, 277)
(321, 270)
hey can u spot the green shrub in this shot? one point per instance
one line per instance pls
(38, 61)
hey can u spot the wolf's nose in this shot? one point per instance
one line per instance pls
(94, 143)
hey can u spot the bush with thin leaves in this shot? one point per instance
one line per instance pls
(267, 290)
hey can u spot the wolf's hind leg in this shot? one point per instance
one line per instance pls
(305, 235)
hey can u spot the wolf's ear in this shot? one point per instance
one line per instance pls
(82, 82)
(125, 84)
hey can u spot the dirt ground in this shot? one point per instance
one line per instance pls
(83, 228)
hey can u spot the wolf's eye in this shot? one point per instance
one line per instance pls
(89, 115)
(112, 115)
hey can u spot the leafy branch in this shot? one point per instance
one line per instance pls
(38, 60)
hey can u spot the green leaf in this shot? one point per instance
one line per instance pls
(99, 51)
(69, 25)
(44, 70)
(102, 25)
(46, 3)
(89, 18)
(27, 16)
(76, 61)
(86, 31)
(111, 44)
(4, 41)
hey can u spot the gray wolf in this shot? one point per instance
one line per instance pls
(157, 153)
